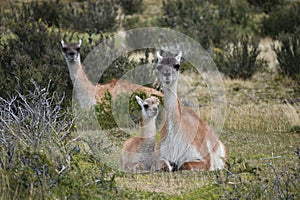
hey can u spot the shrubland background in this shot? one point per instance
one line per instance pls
(254, 43)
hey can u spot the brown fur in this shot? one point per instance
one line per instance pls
(116, 87)
(87, 93)
(138, 153)
(187, 142)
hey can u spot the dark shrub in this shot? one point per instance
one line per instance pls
(288, 54)
(117, 69)
(47, 11)
(107, 117)
(239, 60)
(91, 16)
(208, 23)
(283, 19)
(188, 17)
(265, 5)
(104, 113)
(35, 53)
(132, 6)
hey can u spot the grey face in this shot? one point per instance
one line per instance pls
(168, 71)
(71, 51)
(149, 106)
(168, 68)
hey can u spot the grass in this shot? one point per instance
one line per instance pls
(257, 132)
(247, 151)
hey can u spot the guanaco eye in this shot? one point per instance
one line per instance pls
(159, 67)
(176, 66)
(146, 106)
(64, 49)
(78, 49)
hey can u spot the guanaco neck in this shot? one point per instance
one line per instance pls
(148, 128)
(172, 107)
(77, 73)
(85, 90)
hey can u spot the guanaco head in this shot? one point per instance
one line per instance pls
(71, 51)
(149, 107)
(168, 68)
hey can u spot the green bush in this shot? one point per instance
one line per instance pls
(132, 6)
(93, 16)
(265, 5)
(47, 11)
(239, 60)
(117, 69)
(282, 19)
(106, 117)
(104, 113)
(191, 17)
(35, 53)
(288, 54)
(211, 24)
(295, 129)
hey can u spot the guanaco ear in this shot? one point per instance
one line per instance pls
(63, 44)
(178, 57)
(80, 42)
(159, 57)
(139, 100)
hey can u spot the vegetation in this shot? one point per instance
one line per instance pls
(282, 19)
(240, 60)
(42, 155)
(130, 7)
(32, 167)
(34, 53)
(288, 55)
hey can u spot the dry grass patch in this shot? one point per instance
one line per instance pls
(164, 182)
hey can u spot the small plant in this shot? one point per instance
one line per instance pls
(288, 54)
(295, 129)
(239, 60)
(104, 113)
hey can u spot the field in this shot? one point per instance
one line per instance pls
(259, 140)
(52, 149)
(260, 132)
